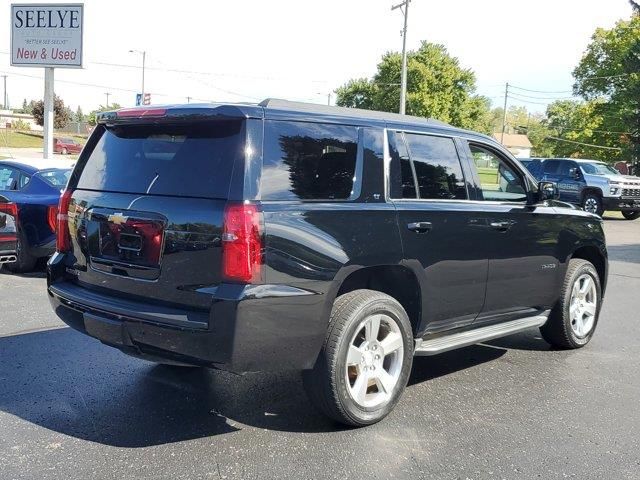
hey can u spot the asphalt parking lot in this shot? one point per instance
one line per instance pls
(71, 408)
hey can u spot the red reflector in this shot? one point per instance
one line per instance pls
(52, 217)
(63, 237)
(8, 237)
(9, 209)
(140, 112)
(242, 243)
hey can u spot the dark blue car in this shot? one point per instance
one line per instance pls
(34, 187)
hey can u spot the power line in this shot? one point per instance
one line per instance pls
(191, 72)
(524, 100)
(544, 98)
(540, 91)
(582, 143)
(93, 85)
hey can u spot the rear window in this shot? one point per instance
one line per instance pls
(309, 161)
(56, 178)
(188, 160)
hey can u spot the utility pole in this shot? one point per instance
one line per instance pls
(329, 98)
(188, 99)
(4, 96)
(403, 87)
(504, 114)
(107, 94)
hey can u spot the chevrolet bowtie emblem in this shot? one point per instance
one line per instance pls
(117, 218)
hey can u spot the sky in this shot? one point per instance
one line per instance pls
(248, 50)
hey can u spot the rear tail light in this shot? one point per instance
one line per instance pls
(9, 209)
(52, 217)
(242, 243)
(12, 210)
(63, 237)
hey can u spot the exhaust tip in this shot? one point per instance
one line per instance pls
(8, 259)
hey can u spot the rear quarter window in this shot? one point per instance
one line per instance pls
(308, 161)
(192, 159)
(55, 178)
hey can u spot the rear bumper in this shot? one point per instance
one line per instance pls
(248, 328)
(621, 203)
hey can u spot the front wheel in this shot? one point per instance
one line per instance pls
(573, 320)
(365, 361)
(592, 203)
(631, 215)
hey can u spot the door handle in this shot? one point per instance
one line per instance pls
(502, 226)
(420, 227)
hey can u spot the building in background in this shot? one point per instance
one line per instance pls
(516, 143)
(8, 119)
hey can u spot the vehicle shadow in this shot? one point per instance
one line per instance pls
(527, 340)
(40, 270)
(71, 384)
(431, 367)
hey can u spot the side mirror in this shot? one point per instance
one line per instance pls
(548, 191)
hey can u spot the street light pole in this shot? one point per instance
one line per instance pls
(403, 81)
(5, 103)
(144, 57)
(107, 94)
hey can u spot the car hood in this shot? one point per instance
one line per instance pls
(627, 179)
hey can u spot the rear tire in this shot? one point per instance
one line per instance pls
(365, 361)
(574, 318)
(592, 203)
(631, 215)
(25, 262)
(64, 151)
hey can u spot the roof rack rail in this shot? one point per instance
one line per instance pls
(277, 103)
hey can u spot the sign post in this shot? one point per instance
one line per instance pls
(48, 112)
(47, 35)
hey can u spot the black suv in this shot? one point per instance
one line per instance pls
(335, 241)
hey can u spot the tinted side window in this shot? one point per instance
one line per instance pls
(551, 167)
(403, 183)
(499, 181)
(566, 167)
(308, 161)
(437, 167)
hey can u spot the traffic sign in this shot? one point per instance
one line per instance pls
(140, 101)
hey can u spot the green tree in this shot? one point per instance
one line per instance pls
(578, 129)
(91, 118)
(437, 87)
(609, 76)
(79, 116)
(61, 114)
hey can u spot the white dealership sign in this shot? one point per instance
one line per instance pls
(46, 35)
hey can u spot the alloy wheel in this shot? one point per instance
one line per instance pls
(583, 305)
(591, 205)
(374, 361)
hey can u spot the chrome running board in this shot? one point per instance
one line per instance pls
(471, 337)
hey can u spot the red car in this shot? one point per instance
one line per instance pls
(66, 145)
